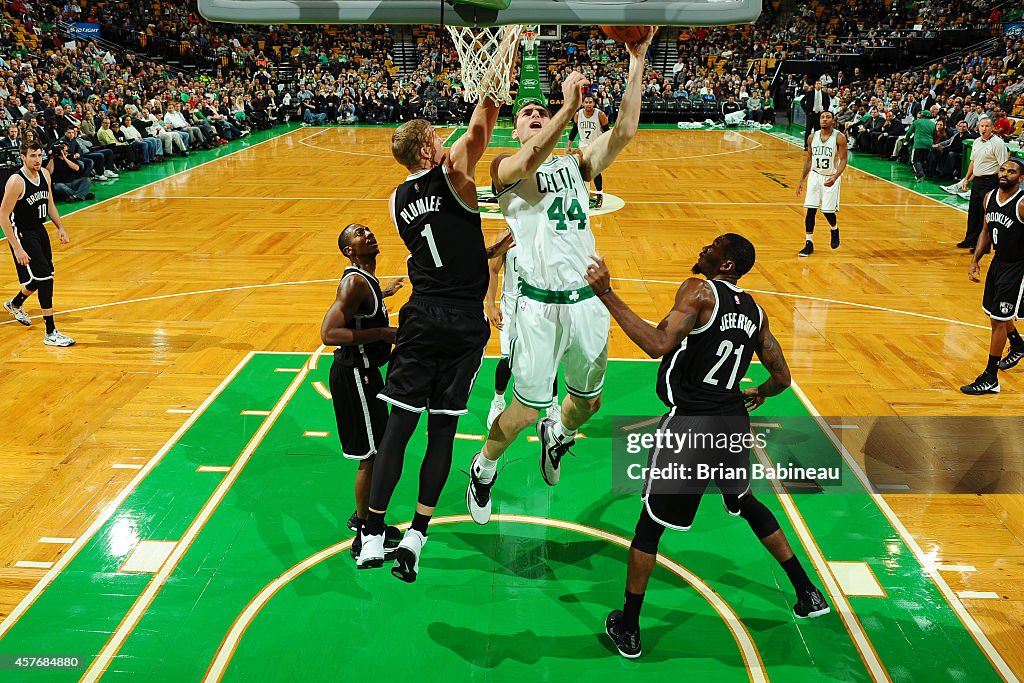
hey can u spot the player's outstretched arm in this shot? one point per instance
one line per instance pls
(352, 292)
(692, 298)
(510, 169)
(602, 153)
(770, 354)
(468, 149)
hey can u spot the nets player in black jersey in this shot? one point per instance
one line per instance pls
(706, 343)
(442, 331)
(1004, 285)
(27, 204)
(357, 323)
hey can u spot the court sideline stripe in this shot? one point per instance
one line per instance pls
(748, 650)
(929, 568)
(849, 617)
(142, 603)
(126, 193)
(116, 502)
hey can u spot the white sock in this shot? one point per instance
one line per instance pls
(484, 469)
(810, 237)
(564, 433)
(835, 227)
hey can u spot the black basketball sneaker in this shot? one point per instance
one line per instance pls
(1014, 356)
(807, 250)
(811, 604)
(987, 383)
(626, 642)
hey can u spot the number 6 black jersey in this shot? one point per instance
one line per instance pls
(702, 376)
(447, 258)
(1006, 227)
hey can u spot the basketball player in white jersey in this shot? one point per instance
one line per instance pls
(559, 320)
(588, 124)
(825, 163)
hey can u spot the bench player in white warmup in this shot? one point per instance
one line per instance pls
(825, 163)
(545, 200)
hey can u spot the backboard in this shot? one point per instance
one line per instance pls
(638, 12)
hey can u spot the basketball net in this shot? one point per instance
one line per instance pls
(488, 58)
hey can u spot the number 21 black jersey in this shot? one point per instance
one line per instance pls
(702, 376)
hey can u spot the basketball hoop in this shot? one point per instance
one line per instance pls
(488, 59)
(530, 37)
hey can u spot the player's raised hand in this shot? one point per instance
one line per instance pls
(394, 287)
(598, 277)
(639, 50)
(975, 272)
(572, 89)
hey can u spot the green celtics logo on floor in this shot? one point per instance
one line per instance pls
(489, 204)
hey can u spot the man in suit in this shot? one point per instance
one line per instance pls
(814, 102)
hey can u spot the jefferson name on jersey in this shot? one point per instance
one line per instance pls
(738, 321)
(419, 207)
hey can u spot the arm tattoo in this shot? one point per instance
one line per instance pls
(771, 355)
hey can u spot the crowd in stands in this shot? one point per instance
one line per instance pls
(101, 111)
(878, 113)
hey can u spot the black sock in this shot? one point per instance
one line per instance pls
(797, 575)
(993, 364)
(420, 522)
(374, 524)
(1016, 341)
(50, 327)
(20, 297)
(631, 610)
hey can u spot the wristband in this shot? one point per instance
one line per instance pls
(604, 293)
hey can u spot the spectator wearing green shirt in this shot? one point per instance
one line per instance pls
(922, 130)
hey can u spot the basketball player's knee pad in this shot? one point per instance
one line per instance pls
(831, 218)
(46, 294)
(647, 534)
(761, 520)
(809, 220)
(32, 285)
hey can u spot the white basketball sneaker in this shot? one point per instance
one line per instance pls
(407, 558)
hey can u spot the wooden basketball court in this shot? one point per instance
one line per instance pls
(169, 287)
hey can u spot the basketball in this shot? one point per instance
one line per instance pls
(626, 34)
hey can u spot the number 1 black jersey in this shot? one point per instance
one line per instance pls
(702, 376)
(447, 258)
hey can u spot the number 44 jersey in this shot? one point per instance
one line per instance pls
(447, 256)
(702, 376)
(549, 216)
